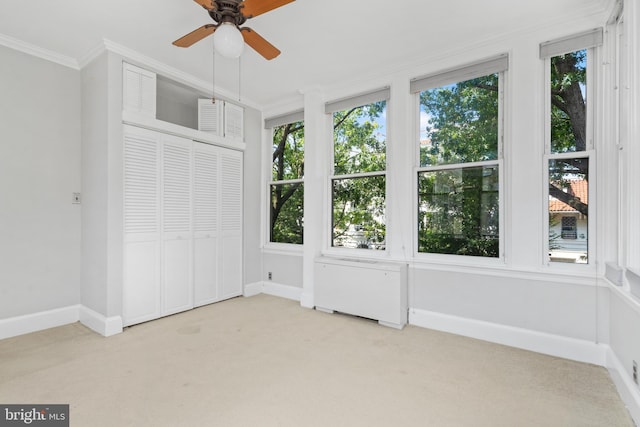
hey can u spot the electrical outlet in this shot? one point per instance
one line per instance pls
(635, 372)
(75, 198)
(270, 276)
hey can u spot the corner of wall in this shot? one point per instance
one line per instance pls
(105, 326)
(628, 391)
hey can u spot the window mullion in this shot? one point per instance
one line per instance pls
(458, 166)
(287, 181)
(358, 175)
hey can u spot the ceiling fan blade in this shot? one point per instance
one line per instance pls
(207, 4)
(254, 8)
(259, 44)
(195, 36)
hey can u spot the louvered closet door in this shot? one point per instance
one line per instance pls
(177, 285)
(231, 222)
(205, 223)
(141, 287)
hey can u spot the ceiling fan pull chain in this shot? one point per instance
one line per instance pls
(239, 78)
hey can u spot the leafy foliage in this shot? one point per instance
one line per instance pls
(568, 125)
(287, 199)
(463, 122)
(358, 212)
(288, 226)
(568, 135)
(458, 210)
(568, 111)
(359, 202)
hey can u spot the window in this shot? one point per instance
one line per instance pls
(286, 187)
(358, 181)
(460, 160)
(569, 227)
(569, 148)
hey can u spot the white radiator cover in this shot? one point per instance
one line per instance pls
(371, 289)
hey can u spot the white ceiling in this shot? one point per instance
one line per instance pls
(322, 41)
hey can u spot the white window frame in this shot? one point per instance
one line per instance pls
(497, 65)
(270, 124)
(589, 41)
(367, 98)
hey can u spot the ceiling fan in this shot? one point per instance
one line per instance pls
(229, 15)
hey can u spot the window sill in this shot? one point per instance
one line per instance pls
(498, 268)
(282, 249)
(354, 254)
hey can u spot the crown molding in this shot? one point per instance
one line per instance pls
(92, 54)
(127, 53)
(38, 52)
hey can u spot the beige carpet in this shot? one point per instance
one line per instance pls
(265, 361)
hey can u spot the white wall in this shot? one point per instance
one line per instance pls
(102, 179)
(94, 180)
(624, 322)
(39, 171)
(285, 269)
(252, 212)
(624, 310)
(556, 307)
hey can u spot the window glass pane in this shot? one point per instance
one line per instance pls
(459, 122)
(568, 102)
(360, 139)
(569, 210)
(286, 213)
(458, 211)
(359, 212)
(288, 152)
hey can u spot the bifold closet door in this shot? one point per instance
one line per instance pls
(231, 188)
(141, 287)
(182, 224)
(205, 223)
(177, 241)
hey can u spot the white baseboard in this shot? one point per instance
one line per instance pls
(252, 289)
(28, 323)
(627, 389)
(105, 326)
(307, 300)
(282, 291)
(540, 342)
(272, 288)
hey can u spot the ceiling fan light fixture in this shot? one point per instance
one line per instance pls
(228, 41)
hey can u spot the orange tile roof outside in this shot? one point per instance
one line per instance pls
(577, 187)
